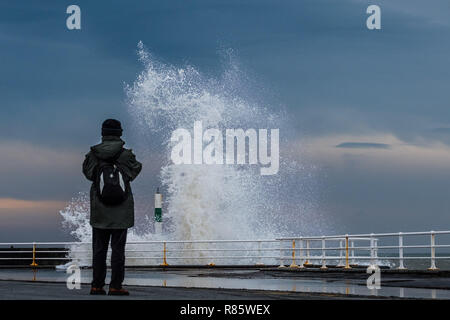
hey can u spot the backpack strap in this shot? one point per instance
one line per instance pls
(113, 159)
(101, 163)
(117, 156)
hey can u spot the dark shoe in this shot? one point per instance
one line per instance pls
(118, 292)
(97, 291)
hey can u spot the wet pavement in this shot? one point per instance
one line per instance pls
(279, 283)
(24, 290)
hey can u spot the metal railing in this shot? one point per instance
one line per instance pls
(349, 244)
(342, 251)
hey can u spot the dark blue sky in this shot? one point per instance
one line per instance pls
(342, 85)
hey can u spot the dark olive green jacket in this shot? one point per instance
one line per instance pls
(111, 217)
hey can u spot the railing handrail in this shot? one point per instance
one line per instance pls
(303, 249)
(355, 237)
(141, 242)
(368, 235)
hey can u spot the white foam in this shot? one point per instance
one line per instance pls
(212, 201)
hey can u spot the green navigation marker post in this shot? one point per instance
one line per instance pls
(158, 211)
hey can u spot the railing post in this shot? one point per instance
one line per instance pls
(433, 252)
(212, 264)
(376, 250)
(34, 264)
(324, 263)
(281, 255)
(293, 264)
(340, 263)
(347, 265)
(401, 265)
(372, 250)
(164, 264)
(300, 252)
(353, 252)
(307, 253)
(259, 263)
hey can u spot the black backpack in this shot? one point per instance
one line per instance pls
(112, 185)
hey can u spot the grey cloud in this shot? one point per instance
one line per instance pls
(443, 130)
(427, 136)
(39, 172)
(363, 145)
(331, 73)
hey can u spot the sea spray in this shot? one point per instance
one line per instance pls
(204, 201)
(212, 201)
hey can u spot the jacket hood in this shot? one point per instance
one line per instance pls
(109, 148)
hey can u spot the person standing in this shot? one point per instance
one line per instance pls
(111, 168)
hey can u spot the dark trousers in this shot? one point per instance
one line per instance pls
(100, 242)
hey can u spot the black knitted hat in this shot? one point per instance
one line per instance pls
(111, 127)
